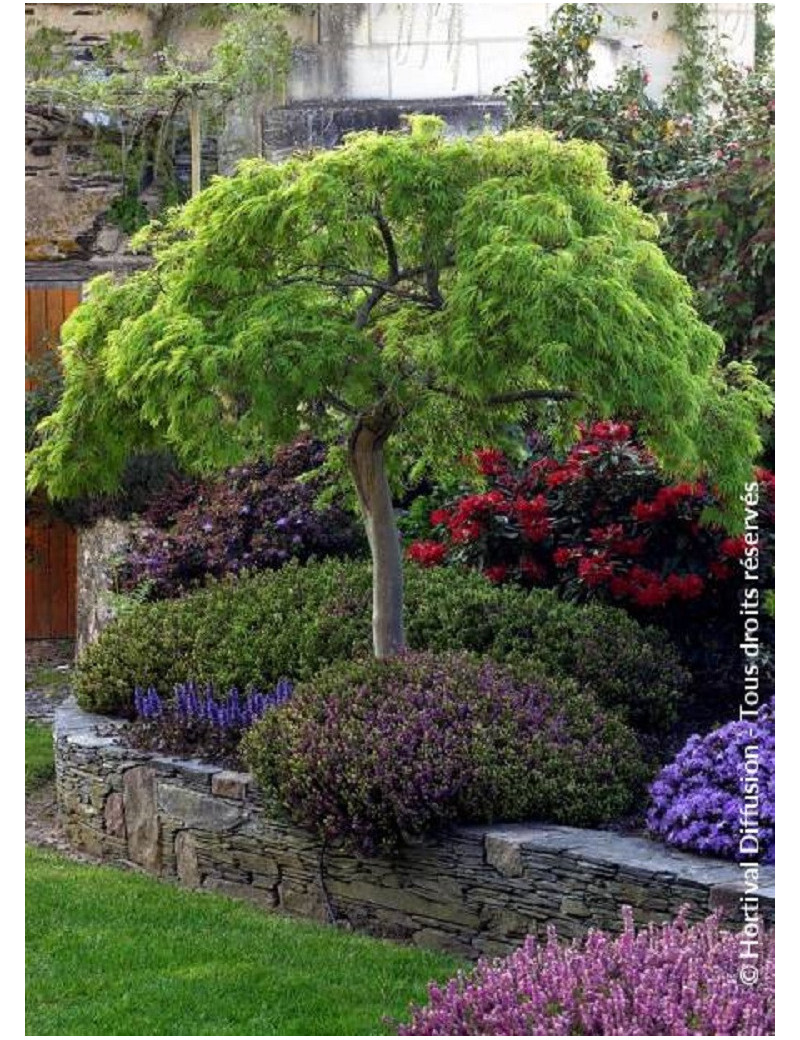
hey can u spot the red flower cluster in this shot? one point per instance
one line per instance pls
(666, 501)
(733, 548)
(621, 533)
(648, 589)
(427, 554)
(491, 462)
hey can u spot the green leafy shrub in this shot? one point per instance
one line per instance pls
(373, 753)
(296, 620)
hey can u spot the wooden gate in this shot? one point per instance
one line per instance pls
(50, 545)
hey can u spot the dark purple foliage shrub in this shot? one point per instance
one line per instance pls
(675, 979)
(374, 753)
(198, 722)
(697, 801)
(256, 517)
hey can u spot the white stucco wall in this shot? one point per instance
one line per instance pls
(403, 51)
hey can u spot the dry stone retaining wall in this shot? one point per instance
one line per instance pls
(473, 891)
(99, 546)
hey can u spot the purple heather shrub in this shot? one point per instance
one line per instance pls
(200, 723)
(372, 754)
(676, 979)
(697, 801)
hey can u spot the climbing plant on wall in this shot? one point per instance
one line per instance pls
(140, 88)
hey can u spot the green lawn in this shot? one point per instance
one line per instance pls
(38, 754)
(111, 953)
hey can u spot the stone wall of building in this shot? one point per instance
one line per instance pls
(99, 547)
(473, 891)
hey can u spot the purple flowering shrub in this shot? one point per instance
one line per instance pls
(373, 753)
(676, 979)
(198, 722)
(256, 517)
(697, 800)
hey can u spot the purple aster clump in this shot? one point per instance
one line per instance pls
(715, 784)
(372, 754)
(200, 723)
(676, 979)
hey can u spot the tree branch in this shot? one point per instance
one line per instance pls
(532, 395)
(340, 404)
(512, 397)
(388, 242)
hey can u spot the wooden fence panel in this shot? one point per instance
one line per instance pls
(51, 554)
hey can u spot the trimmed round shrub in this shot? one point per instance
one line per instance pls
(295, 621)
(373, 753)
(717, 784)
(674, 979)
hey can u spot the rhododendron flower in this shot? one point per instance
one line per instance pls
(466, 532)
(491, 462)
(644, 511)
(697, 800)
(720, 571)
(497, 574)
(563, 557)
(439, 517)
(427, 554)
(595, 570)
(610, 533)
(536, 530)
(685, 586)
(619, 585)
(607, 430)
(565, 475)
(534, 509)
(733, 548)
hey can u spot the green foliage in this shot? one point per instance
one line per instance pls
(765, 37)
(559, 62)
(128, 212)
(445, 282)
(690, 89)
(720, 228)
(43, 389)
(142, 85)
(701, 160)
(46, 53)
(296, 620)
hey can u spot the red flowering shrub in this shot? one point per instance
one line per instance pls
(603, 523)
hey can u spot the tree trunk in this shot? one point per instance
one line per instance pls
(368, 468)
(195, 142)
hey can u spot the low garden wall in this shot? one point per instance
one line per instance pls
(473, 891)
(99, 547)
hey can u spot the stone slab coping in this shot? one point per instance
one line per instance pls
(503, 842)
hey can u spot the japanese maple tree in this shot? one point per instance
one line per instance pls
(404, 295)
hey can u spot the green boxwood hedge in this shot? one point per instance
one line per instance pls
(297, 620)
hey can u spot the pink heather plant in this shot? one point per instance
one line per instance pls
(670, 980)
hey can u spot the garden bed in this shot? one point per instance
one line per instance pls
(472, 891)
